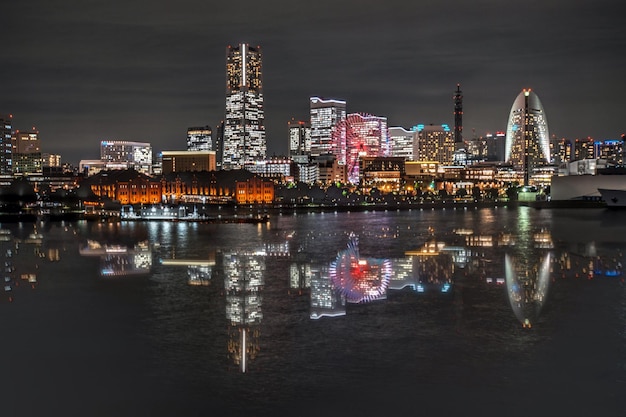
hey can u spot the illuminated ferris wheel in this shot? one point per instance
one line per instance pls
(358, 135)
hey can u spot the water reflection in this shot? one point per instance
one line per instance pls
(350, 269)
(118, 259)
(244, 277)
(23, 249)
(360, 279)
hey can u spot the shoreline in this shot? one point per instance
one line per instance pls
(247, 213)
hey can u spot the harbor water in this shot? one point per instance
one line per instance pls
(488, 311)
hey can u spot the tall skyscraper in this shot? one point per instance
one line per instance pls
(299, 137)
(458, 116)
(199, 138)
(244, 125)
(325, 115)
(26, 152)
(219, 146)
(527, 137)
(6, 165)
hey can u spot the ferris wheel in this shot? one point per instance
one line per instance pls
(358, 135)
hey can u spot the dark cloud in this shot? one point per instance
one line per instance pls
(83, 71)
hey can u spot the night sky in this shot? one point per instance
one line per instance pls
(82, 71)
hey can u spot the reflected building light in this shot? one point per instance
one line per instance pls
(299, 275)
(404, 275)
(199, 275)
(244, 277)
(326, 300)
(527, 290)
(479, 241)
(120, 260)
(463, 232)
(431, 248)
(277, 249)
(360, 279)
(53, 255)
(506, 239)
(543, 240)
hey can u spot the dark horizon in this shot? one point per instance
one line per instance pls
(146, 71)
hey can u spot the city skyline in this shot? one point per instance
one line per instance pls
(86, 73)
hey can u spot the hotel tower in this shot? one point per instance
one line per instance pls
(244, 123)
(527, 139)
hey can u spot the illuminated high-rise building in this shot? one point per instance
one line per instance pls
(325, 115)
(435, 143)
(527, 137)
(244, 124)
(299, 137)
(6, 165)
(584, 149)
(560, 150)
(199, 138)
(26, 152)
(458, 116)
(401, 142)
(127, 154)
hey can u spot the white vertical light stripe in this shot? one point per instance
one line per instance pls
(243, 352)
(243, 63)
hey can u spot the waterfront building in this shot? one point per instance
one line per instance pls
(330, 170)
(458, 117)
(26, 152)
(127, 186)
(383, 173)
(199, 138)
(6, 125)
(584, 149)
(244, 124)
(611, 150)
(326, 114)
(254, 190)
(359, 135)
(128, 154)
(401, 142)
(560, 150)
(50, 160)
(527, 136)
(176, 161)
(435, 143)
(278, 169)
(307, 171)
(299, 137)
(219, 145)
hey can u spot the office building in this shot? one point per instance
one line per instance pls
(325, 115)
(244, 124)
(527, 136)
(199, 138)
(26, 152)
(6, 125)
(299, 137)
(401, 142)
(181, 161)
(435, 143)
(135, 155)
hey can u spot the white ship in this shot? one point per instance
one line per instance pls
(613, 197)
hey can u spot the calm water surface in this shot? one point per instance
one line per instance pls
(504, 312)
